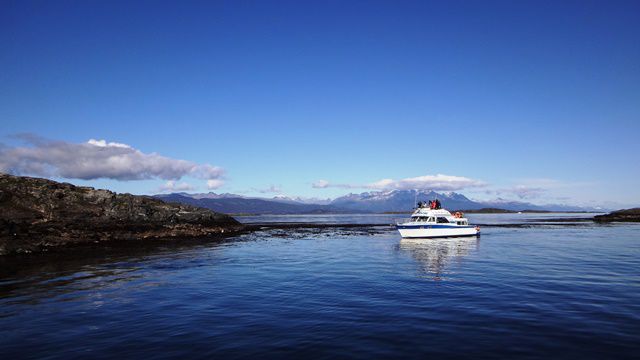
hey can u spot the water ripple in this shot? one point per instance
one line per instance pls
(561, 292)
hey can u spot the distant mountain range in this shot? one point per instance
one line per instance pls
(236, 204)
(367, 202)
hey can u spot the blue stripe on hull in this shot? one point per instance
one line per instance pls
(440, 236)
(434, 226)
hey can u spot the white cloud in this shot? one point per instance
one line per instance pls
(527, 192)
(320, 184)
(96, 159)
(382, 184)
(535, 188)
(171, 186)
(520, 191)
(323, 184)
(104, 143)
(273, 189)
(437, 182)
(206, 171)
(214, 184)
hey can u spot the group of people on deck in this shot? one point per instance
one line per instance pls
(433, 204)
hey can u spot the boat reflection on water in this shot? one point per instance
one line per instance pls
(436, 255)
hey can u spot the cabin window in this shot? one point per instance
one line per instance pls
(442, 220)
(430, 219)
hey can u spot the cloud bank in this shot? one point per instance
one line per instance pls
(437, 182)
(272, 189)
(532, 188)
(97, 159)
(320, 184)
(522, 192)
(173, 186)
(323, 184)
(214, 184)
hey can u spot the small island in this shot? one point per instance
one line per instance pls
(39, 214)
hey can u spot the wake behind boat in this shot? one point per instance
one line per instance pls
(432, 221)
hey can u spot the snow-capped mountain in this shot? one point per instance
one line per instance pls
(402, 200)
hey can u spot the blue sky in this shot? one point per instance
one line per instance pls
(535, 101)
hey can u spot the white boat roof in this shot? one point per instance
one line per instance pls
(430, 212)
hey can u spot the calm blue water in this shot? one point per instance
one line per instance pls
(551, 291)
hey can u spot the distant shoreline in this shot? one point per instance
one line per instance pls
(474, 211)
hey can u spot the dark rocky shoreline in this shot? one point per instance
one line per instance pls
(38, 214)
(627, 215)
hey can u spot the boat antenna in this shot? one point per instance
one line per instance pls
(415, 199)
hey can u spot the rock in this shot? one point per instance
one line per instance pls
(628, 215)
(38, 214)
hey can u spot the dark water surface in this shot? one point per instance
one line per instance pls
(549, 291)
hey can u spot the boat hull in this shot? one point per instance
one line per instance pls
(436, 231)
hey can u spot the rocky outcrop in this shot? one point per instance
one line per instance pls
(38, 214)
(628, 215)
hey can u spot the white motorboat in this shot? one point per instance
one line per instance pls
(432, 221)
